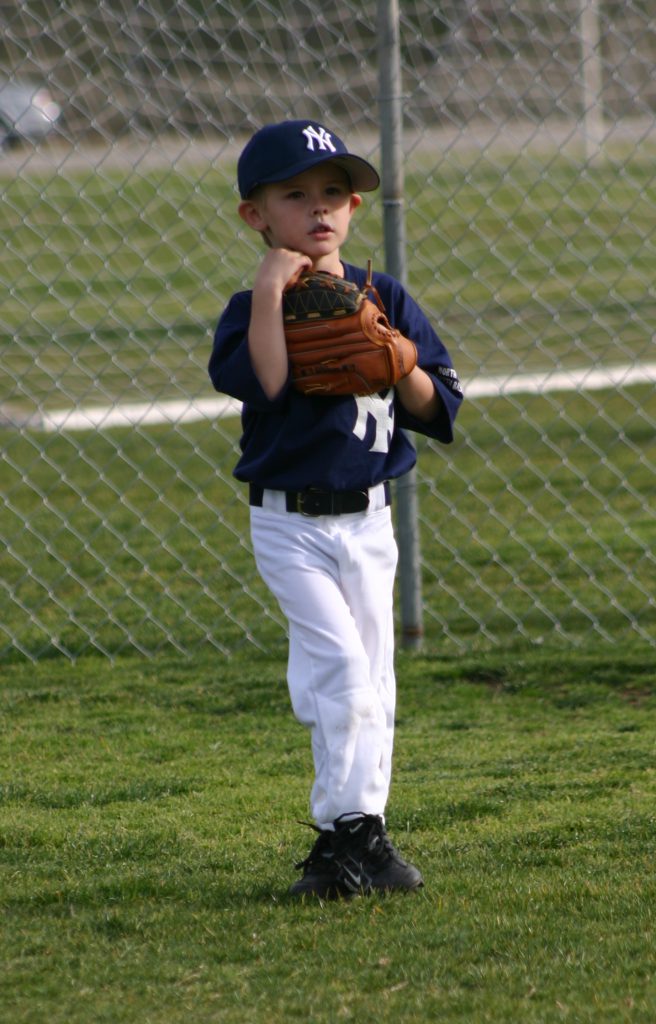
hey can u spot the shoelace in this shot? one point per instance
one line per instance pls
(354, 838)
(320, 850)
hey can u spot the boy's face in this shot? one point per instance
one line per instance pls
(310, 213)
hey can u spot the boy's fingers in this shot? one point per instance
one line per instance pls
(304, 263)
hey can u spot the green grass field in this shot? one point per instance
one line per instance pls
(149, 804)
(148, 831)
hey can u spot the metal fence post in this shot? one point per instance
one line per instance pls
(391, 140)
(592, 114)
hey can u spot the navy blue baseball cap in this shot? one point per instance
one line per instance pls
(280, 151)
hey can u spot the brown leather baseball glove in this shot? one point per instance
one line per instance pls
(339, 342)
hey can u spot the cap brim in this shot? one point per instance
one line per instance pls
(363, 177)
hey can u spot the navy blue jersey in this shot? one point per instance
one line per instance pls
(341, 442)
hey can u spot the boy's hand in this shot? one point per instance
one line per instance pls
(278, 269)
(266, 338)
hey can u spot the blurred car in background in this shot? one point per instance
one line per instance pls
(27, 111)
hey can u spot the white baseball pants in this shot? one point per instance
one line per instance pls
(333, 577)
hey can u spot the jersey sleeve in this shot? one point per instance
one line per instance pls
(434, 359)
(230, 367)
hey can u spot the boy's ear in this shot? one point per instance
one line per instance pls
(250, 213)
(356, 200)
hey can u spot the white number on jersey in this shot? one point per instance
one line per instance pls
(381, 409)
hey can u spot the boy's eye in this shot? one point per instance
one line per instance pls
(329, 190)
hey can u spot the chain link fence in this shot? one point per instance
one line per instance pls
(531, 223)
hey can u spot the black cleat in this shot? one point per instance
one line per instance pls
(383, 867)
(357, 858)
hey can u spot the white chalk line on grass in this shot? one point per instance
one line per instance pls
(132, 414)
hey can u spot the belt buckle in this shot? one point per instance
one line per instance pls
(303, 497)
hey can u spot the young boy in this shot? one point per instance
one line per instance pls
(318, 470)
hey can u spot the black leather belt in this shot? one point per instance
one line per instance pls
(315, 502)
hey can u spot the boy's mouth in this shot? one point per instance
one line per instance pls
(321, 229)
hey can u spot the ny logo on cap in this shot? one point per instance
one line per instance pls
(321, 137)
